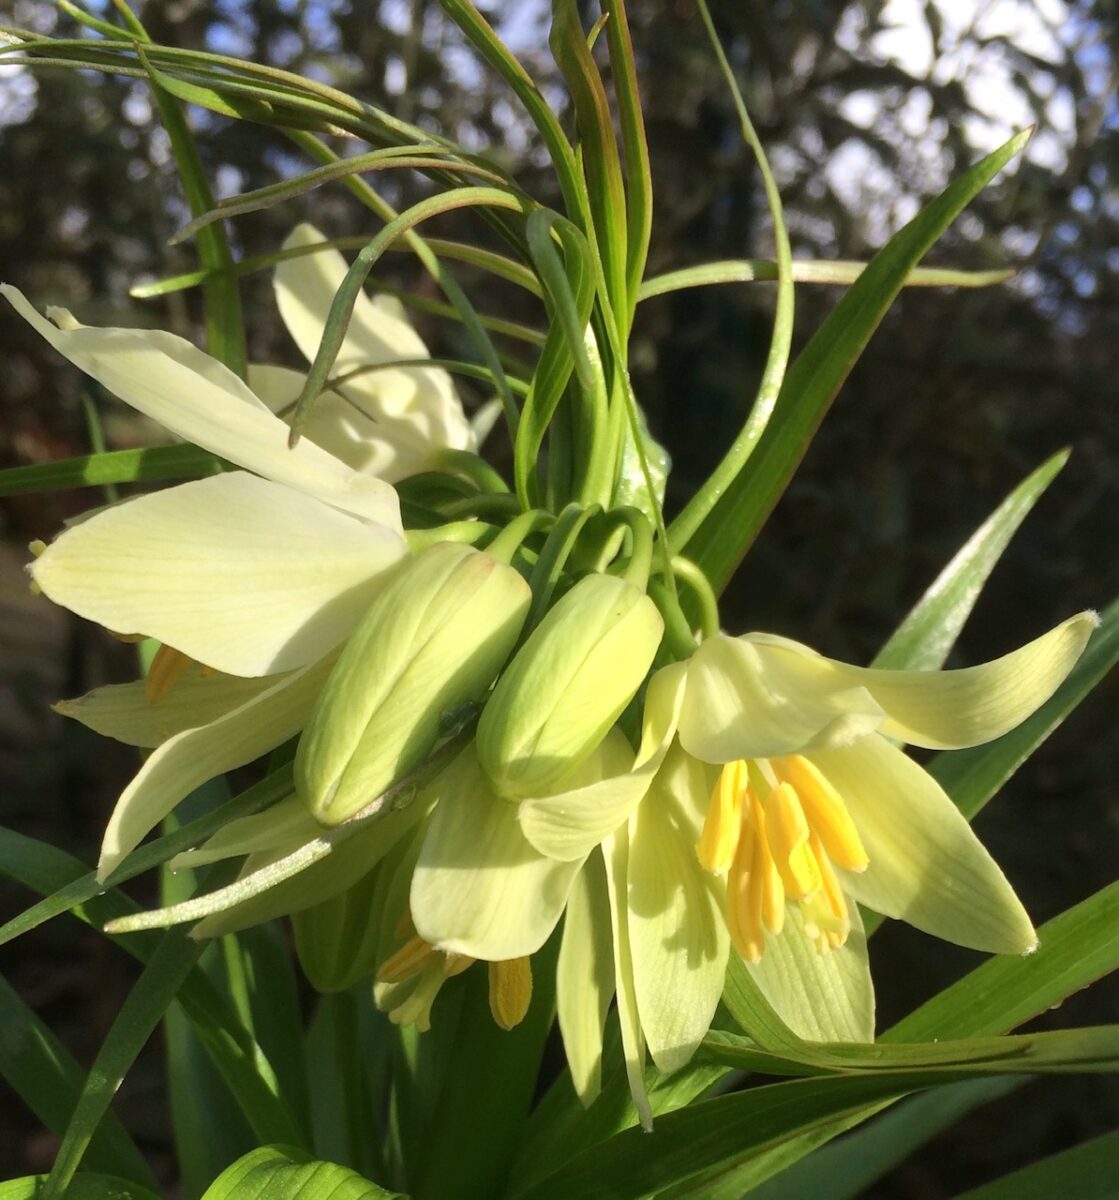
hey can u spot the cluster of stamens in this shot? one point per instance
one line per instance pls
(409, 980)
(778, 829)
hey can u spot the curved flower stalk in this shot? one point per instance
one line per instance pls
(391, 422)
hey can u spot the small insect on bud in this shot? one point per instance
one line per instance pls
(430, 644)
(567, 685)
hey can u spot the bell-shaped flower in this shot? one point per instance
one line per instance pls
(258, 572)
(567, 685)
(383, 420)
(816, 808)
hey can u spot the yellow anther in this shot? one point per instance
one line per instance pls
(826, 812)
(744, 916)
(410, 958)
(723, 825)
(769, 883)
(510, 991)
(788, 834)
(455, 964)
(168, 666)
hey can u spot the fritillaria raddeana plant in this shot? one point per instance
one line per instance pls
(505, 735)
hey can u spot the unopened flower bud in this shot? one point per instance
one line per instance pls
(431, 642)
(567, 685)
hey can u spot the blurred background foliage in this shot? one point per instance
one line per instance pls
(867, 108)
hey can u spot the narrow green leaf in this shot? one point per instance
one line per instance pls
(599, 157)
(924, 639)
(156, 464)
(146, 1003)
(69, 884)
(845, 1169)
(284, 1173)
(225, 323)
(723, 1130)
(47, 1078)
(241, 1061)
(84, 1186)
(806, 270)
(1087, 1172)
(1086, 1049)
(719, 544)
(700, 507)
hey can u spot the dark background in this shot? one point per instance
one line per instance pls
(867, 110)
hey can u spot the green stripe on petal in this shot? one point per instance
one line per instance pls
(759, 696)
(124, 712)
(585, 977)
(480, 888)
(191, 758)
(678, 937)
(195, 397)
(569, 824)
(615, 852)
(821, 997)
(239, 573)
(927, 867)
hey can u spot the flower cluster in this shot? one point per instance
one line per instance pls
(669, 807)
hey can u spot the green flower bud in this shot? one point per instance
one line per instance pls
(567, 685)
(430, 643)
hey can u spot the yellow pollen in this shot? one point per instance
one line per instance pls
(825, 810)
(723, 825)
(788, 834)
(168, 667)
(510, 991)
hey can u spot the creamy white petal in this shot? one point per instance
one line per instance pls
(417, 406)
(615, 853)
(757, 697)
(124, 712)
(191, 758)
(195, 397)
(480, 888)
(585, 977)
(678, 937)
(338, 425)
(927, 867)
(821, 997)
(569, 824)
(947, 710)
(237, 572)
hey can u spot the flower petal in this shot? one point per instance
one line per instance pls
(821, 997)
(615, 852)
(585, 977)
(194, 396)
(678, 937)
(759, 697)
(571, 823)
(927, 867)
(196, 755)
(124, 712)
(335, 423)
(480, 888)
(279, 829)
(236, 572)
(416, 406)
(947, 710)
